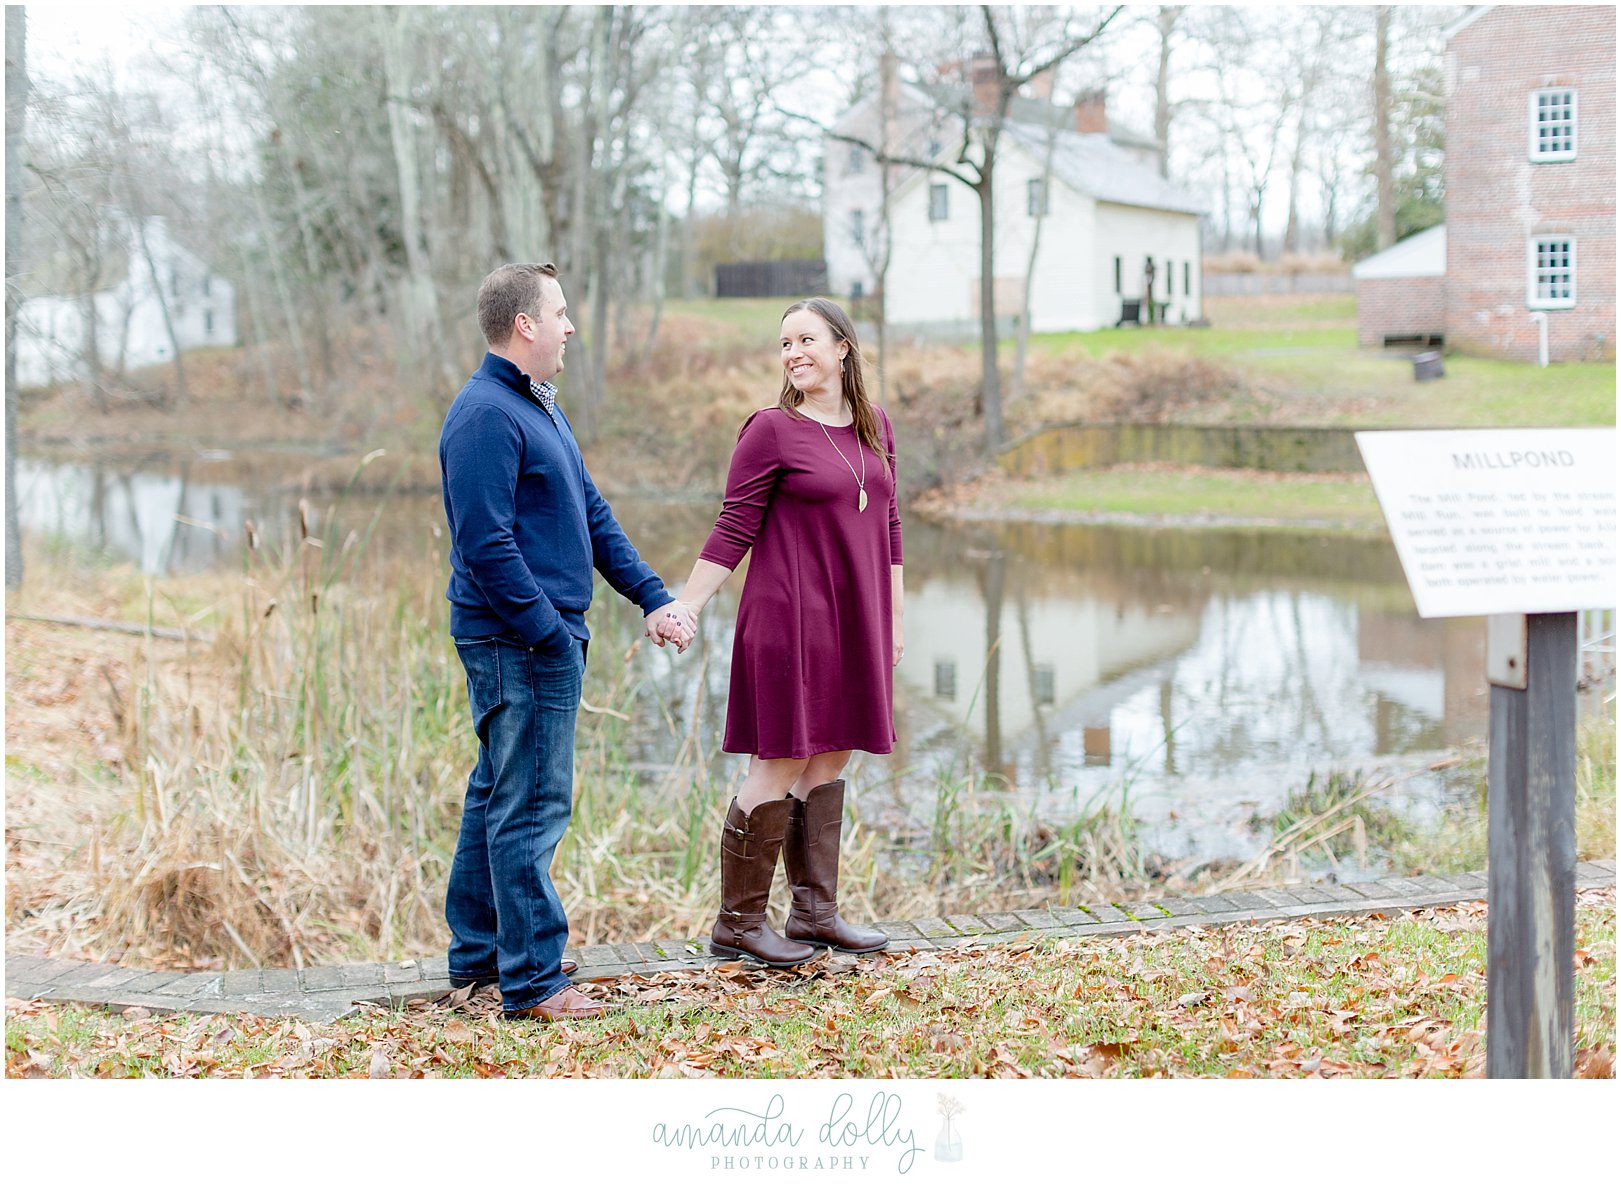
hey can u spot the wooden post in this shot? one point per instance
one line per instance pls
(1531, 865)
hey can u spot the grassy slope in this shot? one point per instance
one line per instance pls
(1303, 351)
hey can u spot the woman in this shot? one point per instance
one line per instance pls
(811, 491)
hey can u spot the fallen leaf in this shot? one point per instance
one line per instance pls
(379, 1065)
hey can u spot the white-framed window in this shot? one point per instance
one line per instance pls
(1553, 124)
(1187, 278)
(1117, 274)
(933, 150)
(1035, 197)
(1551, 283)
(939, 202)
(945, 680)
(857, 160)
(858, 228)
(1046, 683)
(208, 323)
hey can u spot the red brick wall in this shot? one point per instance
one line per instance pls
(1405, 306)
(1497, 198)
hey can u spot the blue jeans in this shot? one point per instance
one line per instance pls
(504, 913)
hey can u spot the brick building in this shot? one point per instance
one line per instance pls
(1401, 293)
(1530, 181)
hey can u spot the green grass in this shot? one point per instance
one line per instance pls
(1191, 494)
(1310, 371)
(1369, 997)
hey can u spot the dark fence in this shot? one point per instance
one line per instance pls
(1254, 284)
(771, 278)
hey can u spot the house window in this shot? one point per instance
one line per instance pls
(939, 204)
(208, 323)
(208, 285)
(933, 150)
(858, 228)
(1553, 125)
(1187, 278)
(1553, 272)
(1035, 199)
(857, 290)
(945, 680)
(858, 159)
(1046, 684)
(1117, 274)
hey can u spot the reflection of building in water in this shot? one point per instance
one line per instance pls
(165, 522)
(1429, 678)
(1010, 664)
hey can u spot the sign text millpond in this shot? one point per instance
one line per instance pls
(1498, 521)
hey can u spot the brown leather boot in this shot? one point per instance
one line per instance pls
(810, 855)
(749, 844)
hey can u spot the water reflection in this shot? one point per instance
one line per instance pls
(1204, 673)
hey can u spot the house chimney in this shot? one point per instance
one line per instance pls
(982, 74)
(889, 88)
(1091, 112)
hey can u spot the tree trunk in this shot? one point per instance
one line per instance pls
(1022, 342)
(424, 331)
(1383, 165)
(139, 223)
(1291, 230)
(1166, 20)
(16, 118)
(989, 378)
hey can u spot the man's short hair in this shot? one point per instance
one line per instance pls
(510, 290)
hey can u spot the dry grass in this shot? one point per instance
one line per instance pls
(289, 792)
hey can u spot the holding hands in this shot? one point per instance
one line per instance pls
(676, 623)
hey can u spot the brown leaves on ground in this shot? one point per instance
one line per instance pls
(1398, 997)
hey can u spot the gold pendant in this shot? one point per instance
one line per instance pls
(861, 503)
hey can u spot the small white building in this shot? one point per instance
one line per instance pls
(1105, 216)
(129, 314)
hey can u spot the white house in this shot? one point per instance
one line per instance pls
(1106, 215)
(129, 315)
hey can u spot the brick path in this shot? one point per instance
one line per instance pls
(325, 993)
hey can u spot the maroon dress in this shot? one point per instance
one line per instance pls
(811, 667)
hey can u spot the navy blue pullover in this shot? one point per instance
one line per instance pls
(527, 525)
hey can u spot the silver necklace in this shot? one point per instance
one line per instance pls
(861, 479)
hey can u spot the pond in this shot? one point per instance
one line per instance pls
(1195, 676)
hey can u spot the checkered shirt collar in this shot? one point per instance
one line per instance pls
(546, 393)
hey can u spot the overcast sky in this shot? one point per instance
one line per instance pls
(128, 39)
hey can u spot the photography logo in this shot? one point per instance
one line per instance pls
(848, 1136)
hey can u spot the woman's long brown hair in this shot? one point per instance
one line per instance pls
(855, 386)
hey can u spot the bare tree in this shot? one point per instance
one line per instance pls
(1383, 157)
(1316, 37)
(1165, 22)
(1021, 44)
(16, 123)
(419, 294)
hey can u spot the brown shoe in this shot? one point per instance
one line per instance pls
(810, 855)
(567, 1003)
(484, 980)
(749, 845)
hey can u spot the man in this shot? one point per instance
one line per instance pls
(527, 526)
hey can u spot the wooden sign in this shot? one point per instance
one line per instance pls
(1519, 525)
